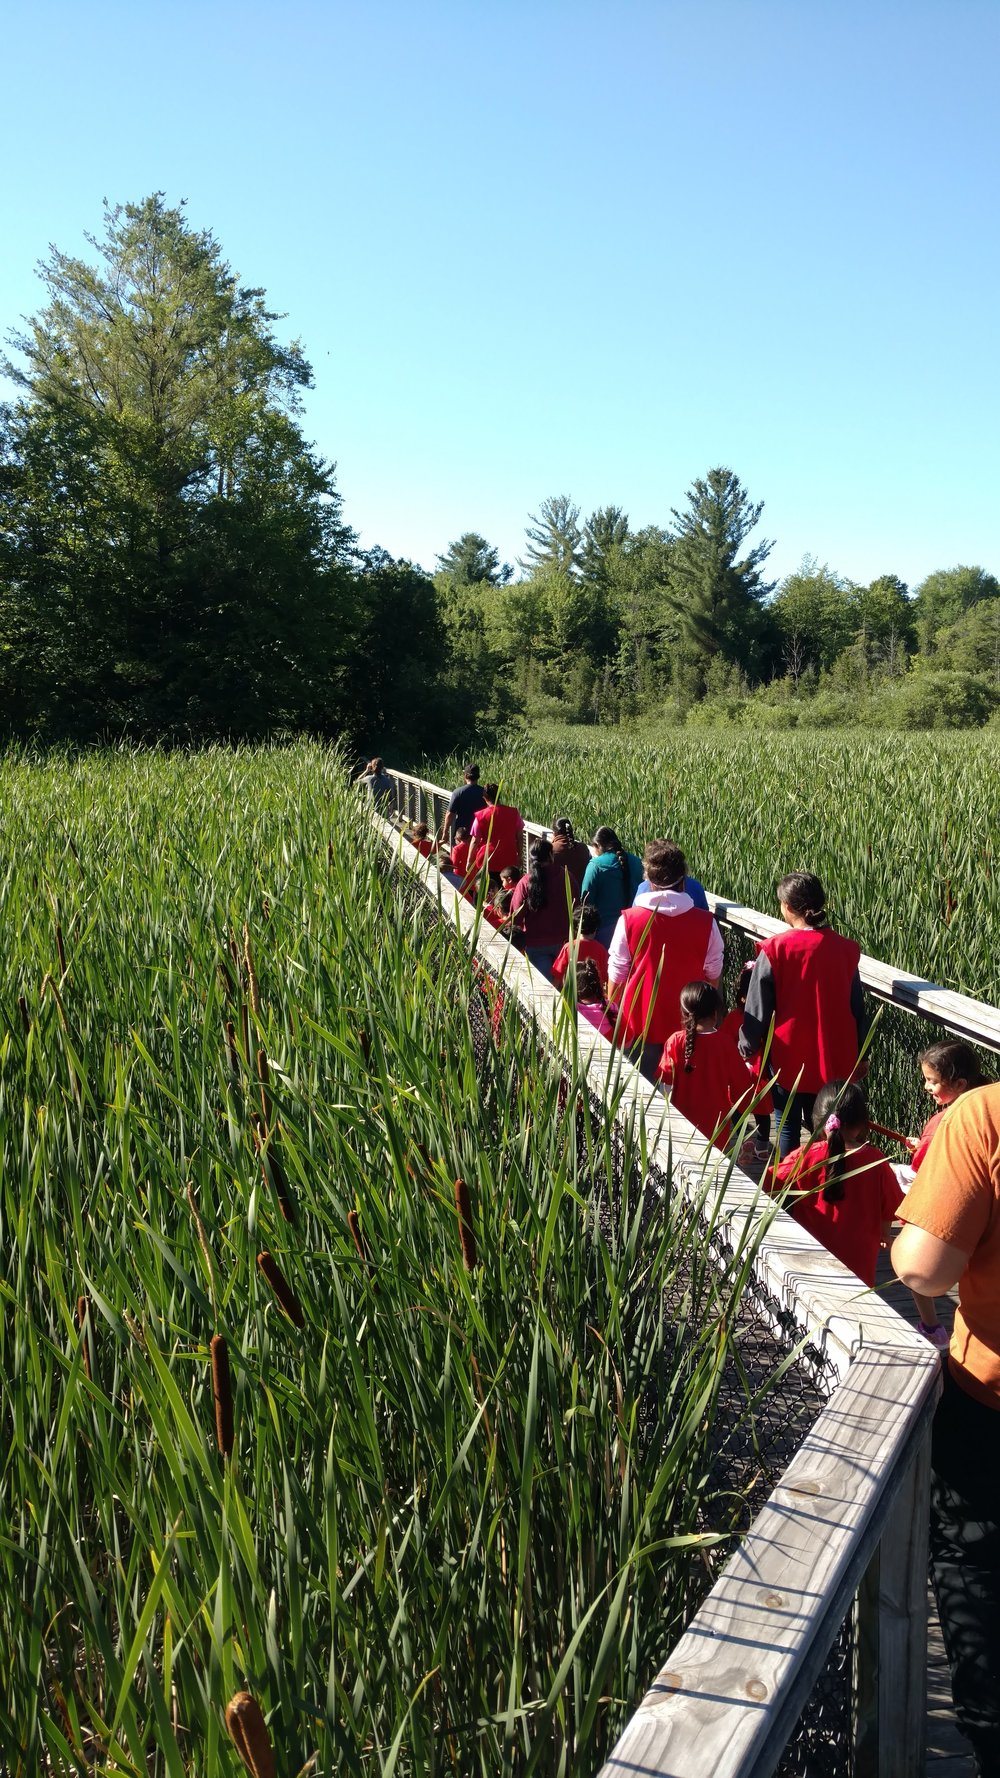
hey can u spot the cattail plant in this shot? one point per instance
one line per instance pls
(222, 1391)
(286, 1296)
(248, 1733)
(467, 1234)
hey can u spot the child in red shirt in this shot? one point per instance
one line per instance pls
(460, 853)
(843, 1189)
(417, 836)
(708, 1079)
(763, 1104)
(583, 945)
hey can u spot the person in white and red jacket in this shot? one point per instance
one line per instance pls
(658, 946)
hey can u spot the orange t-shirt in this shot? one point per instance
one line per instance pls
(956, 1198)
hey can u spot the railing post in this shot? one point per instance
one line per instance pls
(890, 1723)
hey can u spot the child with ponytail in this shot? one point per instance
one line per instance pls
(708, 1079)
(843, 1189)
(591, 1002)
(763, 1103)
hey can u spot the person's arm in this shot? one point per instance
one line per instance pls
(714, 956)
(759, 1010)
(926, 1264)
(589, 878)
(619, 956)
(446, 823)
(859, 1010)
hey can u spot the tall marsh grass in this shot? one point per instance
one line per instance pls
(425, 1471)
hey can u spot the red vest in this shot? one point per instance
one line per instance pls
(814, 1027)
(667, 952)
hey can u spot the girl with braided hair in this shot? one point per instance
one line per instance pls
(842, 1188)
(701, 1065)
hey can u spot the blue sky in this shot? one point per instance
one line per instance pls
(543, 246)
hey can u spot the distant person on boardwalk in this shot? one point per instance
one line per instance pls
(460, 853)
(848, 1193)
(656, 948)
(763, 1104)
(952, 1236)
(418, 836)
(583, 945)
(807, 981)
(573, 853)
(541, 906)
(376, 779)
(610, 880)
(708, 1079)
(496, 830)
(591, 1001)
(464, 803)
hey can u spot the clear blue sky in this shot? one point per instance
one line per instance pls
(547, 246)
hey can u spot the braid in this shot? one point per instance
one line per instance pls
(833, 1172)
(699, 1000)
(840, 1105)
(623, 866)
(690, 1033)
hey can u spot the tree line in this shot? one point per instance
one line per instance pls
(175, 562)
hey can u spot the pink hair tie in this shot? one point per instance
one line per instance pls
(832, 1124)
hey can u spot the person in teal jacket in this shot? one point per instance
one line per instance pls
(610, 880)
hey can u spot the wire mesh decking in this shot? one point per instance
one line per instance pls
(807, 1656)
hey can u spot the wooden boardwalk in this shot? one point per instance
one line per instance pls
(948, 1752)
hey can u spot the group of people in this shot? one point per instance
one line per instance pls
(633, 942)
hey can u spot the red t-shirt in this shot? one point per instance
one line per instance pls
(498, 829)
(460, 857)
(718, 1084)
(732, 1024)
(424, 847)
(852, 1227)
(925, 1137)
(577, 951)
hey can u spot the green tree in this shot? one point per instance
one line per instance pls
(883, 623)
(717, 587)
(972, 643)
(471, 561)
(173, 551)
(554, 538)
(945, 595)
(813, 616)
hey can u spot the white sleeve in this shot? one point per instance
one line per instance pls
(715, 955)
(619, 956)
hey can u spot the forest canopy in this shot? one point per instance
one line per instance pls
(175, 562)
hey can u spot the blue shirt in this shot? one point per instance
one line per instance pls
(604, 887)
(692, 887)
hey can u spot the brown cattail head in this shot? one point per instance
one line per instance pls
(86, 1330)
(329, 854)
(467, 1234)
(265, 907)
(281, 1287)
(222, 1389)
(364, 1044)
(249, 1736)
(22, 1007)
(232, 1053)
(354, 1224)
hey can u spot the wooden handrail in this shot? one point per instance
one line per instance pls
(975, 1020)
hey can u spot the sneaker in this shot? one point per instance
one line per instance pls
(761, 1151)
(937, 1335)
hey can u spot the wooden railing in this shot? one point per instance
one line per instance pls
(419, 800)
(845, 1529)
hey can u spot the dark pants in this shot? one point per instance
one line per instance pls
(791, 1110)
(965, 1562)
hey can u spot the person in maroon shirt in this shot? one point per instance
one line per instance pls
(570, 851)
(805, 981)
(541, 906)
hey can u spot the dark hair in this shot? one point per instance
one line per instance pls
(805, 895)
(743, 985)
(563, 826)
(420, 829)
(537, 893)
(845, 1101)
(461, 833)
(588, 981)
(502, 899)
(491, 792)
(607, 840)
(510, 870)
(470, 772)
(699, 1000)
(375, 765)
(953, 1062)
(666, 865)
(587, 921)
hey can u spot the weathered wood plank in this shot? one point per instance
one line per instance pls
(733, 1688)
